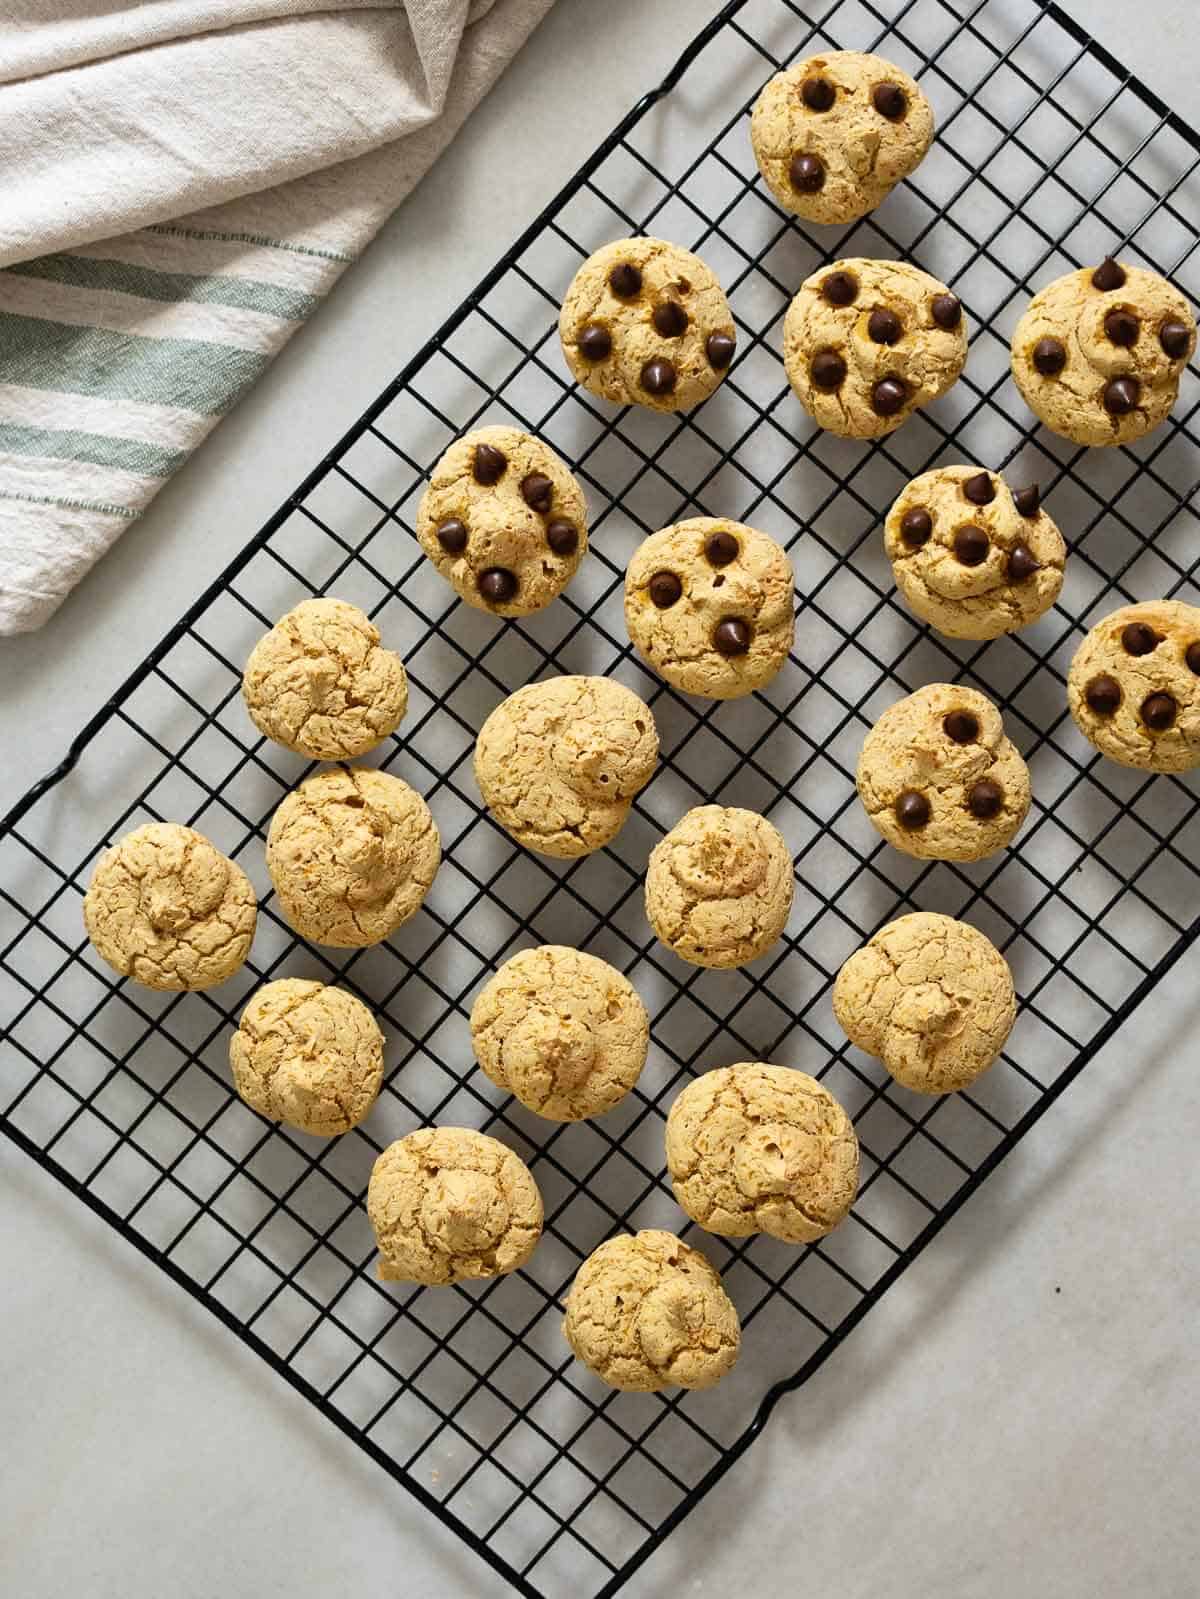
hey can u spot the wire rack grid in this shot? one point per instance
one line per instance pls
(1049, 156)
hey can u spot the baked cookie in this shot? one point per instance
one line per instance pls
(931, 998)
(449, 1204)
(762, 1149)
(166, 908)
(309, 1055)
(646, 323)
(558, 763)
(867, 343)
(563, 1031)
(1099, 353)
(719, 886)
(351, 853)
(321, 684)
(646, 1312)
(972, 558)
(1134, 686)
(834, 134)
(940, 779)
(503, 521)
(710, 605)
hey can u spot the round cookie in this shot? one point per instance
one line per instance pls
(719, 886)
(1134, 686)
(320, 683)
(309, 1055)
(503, 521)
(972, 558)
(646, 1312)
(351, 853)
(867, 343)
(939, 777)
(166, 908)
(931, 998)
(710, 604)
(645, 322)
(834, 134)
(1098, 354)
(449, 1205)
(558, 763)
(762, 1149)
(563, 1031)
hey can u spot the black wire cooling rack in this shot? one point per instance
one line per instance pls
(1049, 155)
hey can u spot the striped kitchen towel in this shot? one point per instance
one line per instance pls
(185, 182)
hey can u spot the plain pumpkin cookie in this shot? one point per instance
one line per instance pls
(647, 1312)
(449, 1204)
(867, 343)
(645, 322)
(710, 604)
(351, 853)
(931, 998)
(166, 908)
(563, 1031)
(504, 521)
(321, 683)
(1099, 353)
(834, 134)
(1134, 686)
(559, 763)
(939, 777)
(762, 1149)
(309, 1055)
(971, 557)
(719, 886)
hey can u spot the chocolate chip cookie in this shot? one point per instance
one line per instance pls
(645, 322)
(1134, 686)
(710, 605)
(867, 343)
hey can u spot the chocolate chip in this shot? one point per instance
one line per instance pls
(1175, 338)
(1192, 657)
(731, 637)
(807, 174)
(562, 537)
(670, 319)
(452, 536)
(625, 280)
(665, 589)
(1138, 639)
(985, 799)
(1121, 395)
(1027, 500)
(888, 396)
(719, 348)
(946, 310)
(1022, 563)
(1108, 275)
(840, 288)
(595, 342)
(912, 810)
(722, 548)
(961, 726)
(817, 93)
(915, 527)
(890, 101)
(1049, 357)
(658, 376)
(1103, 694)
(538, 492)
(971, 546)
(980, 489)
(828, 370)
(1159, 711)
(497, 584)
(884, 327)
(1122, 328)
(488, 465)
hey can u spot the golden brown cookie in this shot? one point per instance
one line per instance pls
(1134, 686)
(931, 998)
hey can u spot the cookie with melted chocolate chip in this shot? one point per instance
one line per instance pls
(1134, 686)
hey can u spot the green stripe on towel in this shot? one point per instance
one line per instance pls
(99, 449)
(242, 294)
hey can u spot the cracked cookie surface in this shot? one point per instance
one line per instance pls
(647, 1312)
(1134, 686)
(711, 605)
(971, 558)
(504, 521)
(564, 1031)
(449, 1205)
(320, 682)
(754, 1148)
(308, 1054)
(835, 133)
(352, 853)
(558, 763)
(939, 777)
(166, 908)
(719, 886)
(930, 997)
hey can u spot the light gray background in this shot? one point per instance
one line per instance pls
(1016, 1417)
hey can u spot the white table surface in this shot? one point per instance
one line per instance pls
(1016, 1417)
